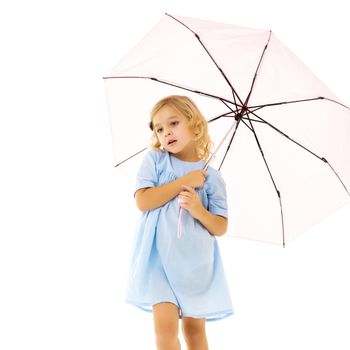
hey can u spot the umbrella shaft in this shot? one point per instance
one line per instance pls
(220, 144)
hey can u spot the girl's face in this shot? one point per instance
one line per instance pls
(174, 134)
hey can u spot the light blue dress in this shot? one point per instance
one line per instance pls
(187, 271)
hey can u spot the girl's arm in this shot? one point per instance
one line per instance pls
(154, 197)
(215, 224)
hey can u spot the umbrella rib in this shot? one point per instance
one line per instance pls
(234, 125)
(257, 69)
(273, 181)
(227, 105)
(285, 135)
(247, 125)
(234, 92)
(336, 174)
(175, 85)
(195, 91)
(238, 116)
(257, 121)
(339, 103)
(229, 144)
(220, 116)
(305, 148)
(130, 157)
(209, 121)
(296, 101)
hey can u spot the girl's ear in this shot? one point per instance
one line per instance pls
(196, 135)
(196, 130)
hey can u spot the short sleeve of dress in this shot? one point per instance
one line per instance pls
(147, 173)
(217, 196)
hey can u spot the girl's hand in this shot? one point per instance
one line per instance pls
(189, 200)
(195, 178)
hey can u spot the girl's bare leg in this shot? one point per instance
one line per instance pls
(194, 333)
(166, 326)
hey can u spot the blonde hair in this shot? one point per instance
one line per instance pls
(196, 122)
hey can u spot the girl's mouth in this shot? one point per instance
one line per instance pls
(172, 142)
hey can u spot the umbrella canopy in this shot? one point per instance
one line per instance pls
(287, 160)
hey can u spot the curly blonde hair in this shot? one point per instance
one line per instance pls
(196, 122)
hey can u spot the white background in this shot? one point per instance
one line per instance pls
(67, 215)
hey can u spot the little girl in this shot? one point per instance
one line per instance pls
(179, 275)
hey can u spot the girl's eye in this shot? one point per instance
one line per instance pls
(172, 123)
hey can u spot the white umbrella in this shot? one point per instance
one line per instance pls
(286, 159)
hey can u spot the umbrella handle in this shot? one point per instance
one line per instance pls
(179, 226)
